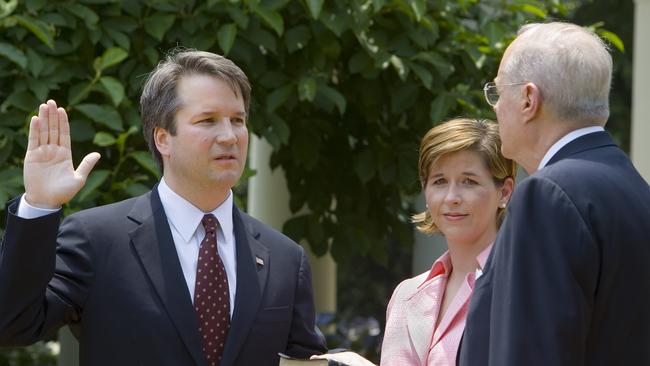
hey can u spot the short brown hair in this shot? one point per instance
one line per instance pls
(159, 101)
(479, 135)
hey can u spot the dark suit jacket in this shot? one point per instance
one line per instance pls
(568, 281)
(112, 272)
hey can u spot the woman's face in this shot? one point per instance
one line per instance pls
(463, 199)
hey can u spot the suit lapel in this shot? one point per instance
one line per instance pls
(462, 296)
(421, 316)
(153, 243)
(251, 281)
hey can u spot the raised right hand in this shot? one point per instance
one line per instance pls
(48, 173)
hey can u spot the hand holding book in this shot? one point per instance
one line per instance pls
(344, 358)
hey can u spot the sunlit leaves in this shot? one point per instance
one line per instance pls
(40, 29)
(614, 39)
(7, 7)
(342, 91)
(315, 7)
(114, 88)
(146, 161)
(110, 57)
(307, 89)
(96, 178)
(104, 139)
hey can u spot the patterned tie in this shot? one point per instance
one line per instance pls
(211, 295)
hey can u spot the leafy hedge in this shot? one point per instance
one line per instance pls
(343, 90)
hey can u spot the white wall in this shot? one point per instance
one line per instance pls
(640, 139)
(268, 201)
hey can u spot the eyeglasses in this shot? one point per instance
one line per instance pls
(492, 93)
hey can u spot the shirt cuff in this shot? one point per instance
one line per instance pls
(27, 211)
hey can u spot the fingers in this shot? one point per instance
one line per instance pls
(53, 128)
(64, 128)
(87, 164)
(48, 123)
(44, 121)
(32, 139)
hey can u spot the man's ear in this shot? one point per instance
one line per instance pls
(532, 102)
(161, 137)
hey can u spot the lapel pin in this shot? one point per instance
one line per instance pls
(259, 261)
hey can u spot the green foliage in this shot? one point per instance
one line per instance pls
(611, 19)
(41, 354)
(358, 84)
(342, 89)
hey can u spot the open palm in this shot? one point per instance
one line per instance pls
(48, 173)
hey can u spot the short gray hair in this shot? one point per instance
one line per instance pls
(159, 101)
(571, 66)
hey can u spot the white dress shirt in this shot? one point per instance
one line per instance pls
(187, 232)
(565, 140)
(185, 224)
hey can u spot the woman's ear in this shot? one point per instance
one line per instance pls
(506, 191)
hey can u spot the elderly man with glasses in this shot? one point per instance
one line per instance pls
(568, 281)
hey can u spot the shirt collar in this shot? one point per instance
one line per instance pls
(483, 256)
(443, 264)
(565, 140)
(186, 217)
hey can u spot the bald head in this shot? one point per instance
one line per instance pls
(571, 66)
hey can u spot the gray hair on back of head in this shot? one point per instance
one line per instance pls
(571, 66)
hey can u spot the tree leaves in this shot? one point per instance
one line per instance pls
(14, 54)
(334, 96)
(297, 38)
(146, 161)
(314, 7)
(342, 90)
(271, 17)
(84, 13)
(440, 107)
(307, 89)
(277, 97)
(226, 36)
(102, 114)
(40, 29)
(612, 38)
(110, 57)
(7, 7)
(96, 178)
(104, 139)
(158, 24)
(114, 88)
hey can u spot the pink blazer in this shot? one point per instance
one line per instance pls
(411, 337)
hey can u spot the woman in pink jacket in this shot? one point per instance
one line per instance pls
(467, 184)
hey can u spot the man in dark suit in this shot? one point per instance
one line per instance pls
(177, 276)
(568, 281)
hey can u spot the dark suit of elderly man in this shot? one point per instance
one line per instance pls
(568, 281)
(177, 276)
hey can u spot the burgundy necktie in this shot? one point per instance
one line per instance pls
(211, 295)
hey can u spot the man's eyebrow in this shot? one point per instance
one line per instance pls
(210, 112)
